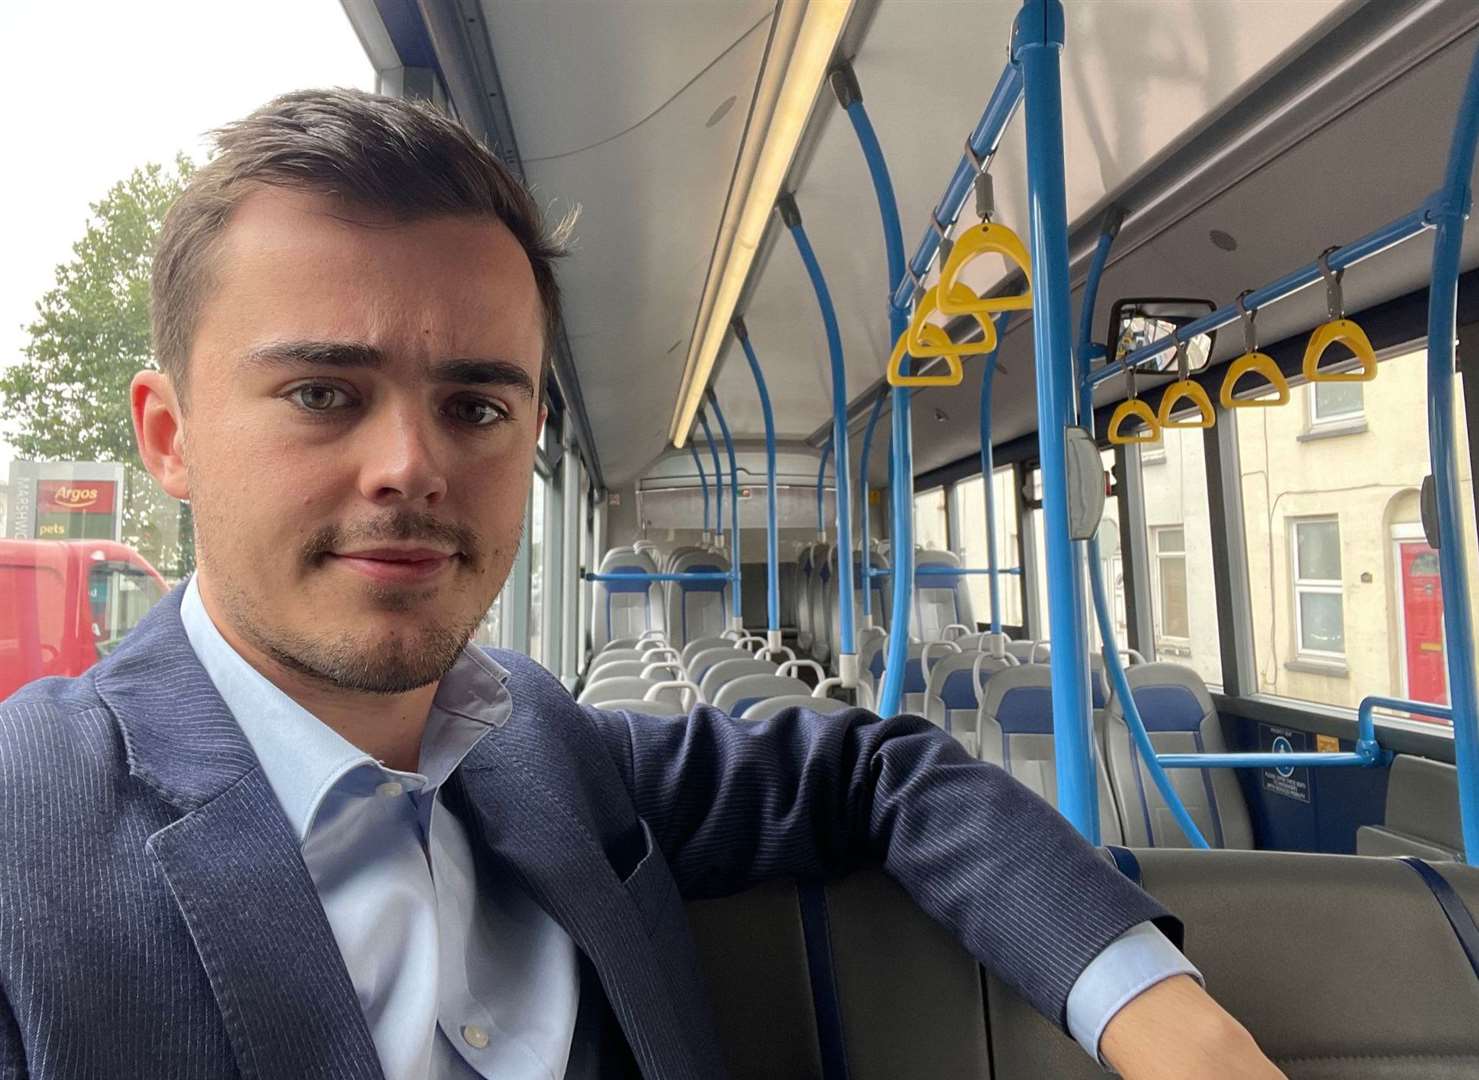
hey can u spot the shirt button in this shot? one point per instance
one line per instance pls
(390, 789)
(476, 1037)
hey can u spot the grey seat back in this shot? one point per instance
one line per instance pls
(642, 707)
(1014, 729)
(805, 572)
(696, 609)
(1021, 650)
(739, 694)
(620, 668)
(766, 708)
(1180, 719)
(818, 590)
(698, 645)
(701, 662)
(1422, 813)
(1271, 931)
(625, 608)
(939, 600)
(726, 670)
(620, 687)
(951, 698)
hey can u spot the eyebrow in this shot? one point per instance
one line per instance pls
(355, 354)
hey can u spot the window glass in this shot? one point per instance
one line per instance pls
(1344, 591)
(1330, 401)
(1111, 563)
(74, 317)
(537, 548)
(1178, 546)
(930, 528)
(969, 508)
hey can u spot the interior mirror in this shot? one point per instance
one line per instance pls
(1135, 324)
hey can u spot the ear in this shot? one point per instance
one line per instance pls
(160, 430)
(539, 424)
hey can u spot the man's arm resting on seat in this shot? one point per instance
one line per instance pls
(1175, 1030)
(802, 796)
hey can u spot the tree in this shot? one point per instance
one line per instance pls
(67, 398)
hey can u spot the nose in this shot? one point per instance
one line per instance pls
(402, 462)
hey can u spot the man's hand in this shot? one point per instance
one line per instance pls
(1175, 1031)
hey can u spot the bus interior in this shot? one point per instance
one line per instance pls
(1079, 376)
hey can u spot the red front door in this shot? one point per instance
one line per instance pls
(1422, 621)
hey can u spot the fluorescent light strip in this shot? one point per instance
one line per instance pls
(807, 70)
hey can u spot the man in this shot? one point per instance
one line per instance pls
(294, 827)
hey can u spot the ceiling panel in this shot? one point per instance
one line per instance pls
(614, 106)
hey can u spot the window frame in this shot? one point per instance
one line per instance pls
(1354, 418)
(1158, 590)
(1300, 585)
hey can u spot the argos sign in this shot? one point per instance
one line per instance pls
(76, 496)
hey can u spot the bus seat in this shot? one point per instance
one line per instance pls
(1021, 651)
(951, 700)
(938, 601)
(823, 565)
(702, 661)
(643, 708)
(726, 670)
(1014, 729)
(1180, 718)
(769, 707)
(1422, 813)
(912, 699)
(613, 689)
(696, 609)
(739, 694)
(625, 609)
(617, 669)
(1271, 931)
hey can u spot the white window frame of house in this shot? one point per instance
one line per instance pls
(1325, 422)
(1322, 586)
(1158, 592)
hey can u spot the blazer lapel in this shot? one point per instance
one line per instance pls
(233, 865)
(534, 790)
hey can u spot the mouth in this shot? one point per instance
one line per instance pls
(397, 565)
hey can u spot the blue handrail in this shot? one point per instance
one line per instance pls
(901, 438)
(703, 483)
(772, 542)
(737, 603)
(1449, 214)
(703, 420)
(847, 650)
(1037, 48)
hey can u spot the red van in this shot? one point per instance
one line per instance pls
(65, 604)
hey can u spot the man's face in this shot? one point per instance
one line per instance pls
(359, 434)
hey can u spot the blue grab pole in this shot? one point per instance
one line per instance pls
(867, 515)
(737, 608)
(821, 487)
(703, 420)
(1037, 48)
(772, 541)
(901, 465)
(703, 483)
(847, 651)
(1449, 215)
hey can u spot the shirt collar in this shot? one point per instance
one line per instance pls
(304, 759)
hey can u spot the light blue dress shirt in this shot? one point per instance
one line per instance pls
(461, 978)
(458, 978)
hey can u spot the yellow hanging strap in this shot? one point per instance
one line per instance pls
(1184, 388)
(1132, 408)
(926, 345)
(987, 238)
(1339, 330)
(935, 338)
(1253, 362)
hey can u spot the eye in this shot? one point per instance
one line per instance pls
(479, 412)
(319, 397)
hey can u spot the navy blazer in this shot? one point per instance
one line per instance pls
(157, 920)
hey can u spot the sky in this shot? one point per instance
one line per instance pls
(101, 87)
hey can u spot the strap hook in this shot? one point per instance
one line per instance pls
(1250, 332)
(1334, 301)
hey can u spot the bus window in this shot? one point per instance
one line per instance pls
(1343, 587)
(1113, 563)
(1178, 552)
(120, 596)
(969, 507)
(930, 527)
(536, 567)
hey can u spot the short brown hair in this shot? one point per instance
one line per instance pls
(396, 157)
